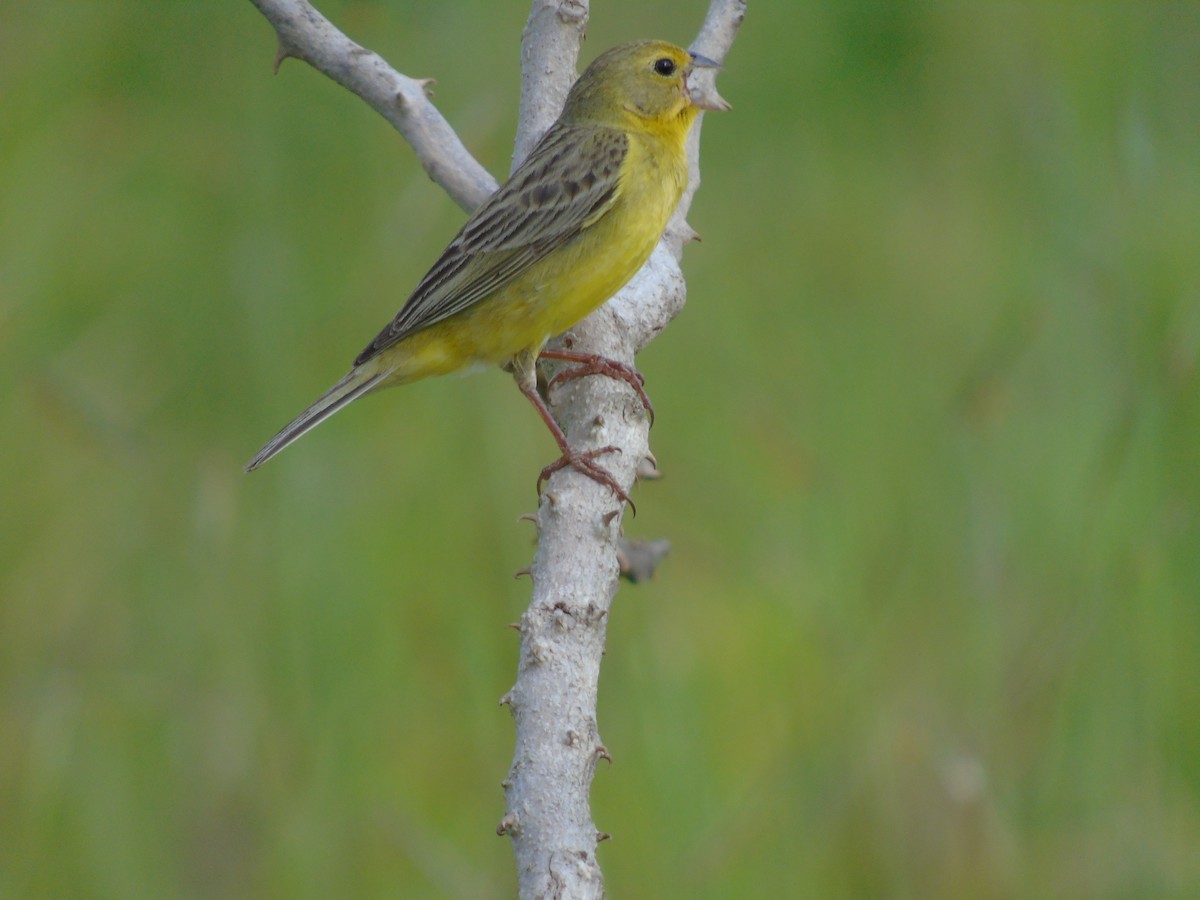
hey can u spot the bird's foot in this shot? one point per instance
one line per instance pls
(595, 364)
(584, 462)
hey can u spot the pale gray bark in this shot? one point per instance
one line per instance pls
(307, 35)
(575, 569)
(550, 46)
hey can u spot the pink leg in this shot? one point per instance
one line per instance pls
(583, 461)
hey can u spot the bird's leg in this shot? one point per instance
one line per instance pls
(595, 364)
(582, 461)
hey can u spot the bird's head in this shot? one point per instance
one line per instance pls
(651, 81)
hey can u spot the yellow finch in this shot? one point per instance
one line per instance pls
(568, 229)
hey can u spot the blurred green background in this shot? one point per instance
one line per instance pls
(929, 425)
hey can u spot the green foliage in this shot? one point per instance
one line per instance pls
(929, 426)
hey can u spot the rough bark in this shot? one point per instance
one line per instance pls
(307, 35)
(576, 567)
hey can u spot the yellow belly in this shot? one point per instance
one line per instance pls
(560, 290)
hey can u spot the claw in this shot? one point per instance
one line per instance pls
(584, 462)
(595, 364)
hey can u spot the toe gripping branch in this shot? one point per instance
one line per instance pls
(595, 364)
(584, 461)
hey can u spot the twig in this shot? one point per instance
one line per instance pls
(307, 35)
(549, 50)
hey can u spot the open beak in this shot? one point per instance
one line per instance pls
(700, 84)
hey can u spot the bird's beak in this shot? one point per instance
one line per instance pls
(700, 87)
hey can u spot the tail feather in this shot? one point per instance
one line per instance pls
(350, 388)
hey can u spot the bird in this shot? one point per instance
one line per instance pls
(572, 224)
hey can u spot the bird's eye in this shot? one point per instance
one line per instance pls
(664, 66)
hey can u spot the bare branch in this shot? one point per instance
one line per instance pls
(576, 567)
(721, 24)
(714, 40)
(549, 52)
(307, 35)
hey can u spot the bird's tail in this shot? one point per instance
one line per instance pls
(356, 383)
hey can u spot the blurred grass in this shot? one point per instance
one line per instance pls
(929, 424)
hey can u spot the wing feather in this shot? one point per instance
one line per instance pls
(568, 182)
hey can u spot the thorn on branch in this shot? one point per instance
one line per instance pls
(283, 52)
(647, 469)
(564, 619)
(401, 97)
(638, 560)
(571, 12)
(508, 825)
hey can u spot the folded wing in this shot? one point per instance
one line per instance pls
(570, 180)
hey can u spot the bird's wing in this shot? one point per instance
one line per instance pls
(568, 182)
